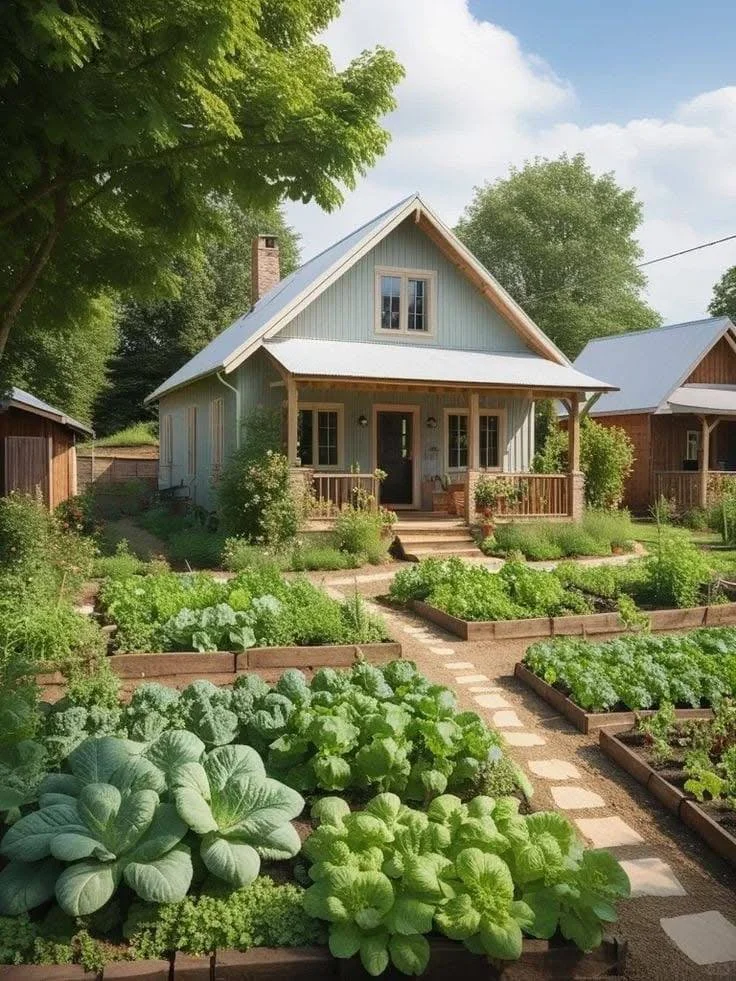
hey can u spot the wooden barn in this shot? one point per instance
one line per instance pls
(676, 399)
(37, 448)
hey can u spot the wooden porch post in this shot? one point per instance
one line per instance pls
(292, 410)
(577, 481)
(473, 455)
(707, 429)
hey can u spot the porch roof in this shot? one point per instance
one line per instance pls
(417, 363)
(718, 400)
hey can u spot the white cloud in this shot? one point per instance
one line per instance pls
(474, 102)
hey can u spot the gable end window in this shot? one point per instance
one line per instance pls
(405, 302)
(319, 436)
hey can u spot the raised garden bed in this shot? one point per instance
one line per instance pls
(540, 958)
(591, 721)
(579, 625)
(715, 825)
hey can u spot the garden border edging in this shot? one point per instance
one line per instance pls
(576, 625)
(674, 799)
(592, 721)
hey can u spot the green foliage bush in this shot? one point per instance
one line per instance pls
(197, 547)
(120, 564)
(676, 571)
(193, 611)
(640, 671)
(261, 915)
(599, 533)
(360, 532)
(255, 498)
(479, 872)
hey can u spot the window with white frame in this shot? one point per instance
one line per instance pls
(191, 439)
(489, 438)
(692, 445)
(319, 435)
(457, 440)
(405, 301)
(217, 434)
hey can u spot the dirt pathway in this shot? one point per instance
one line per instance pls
(673, 873)
(142, 543)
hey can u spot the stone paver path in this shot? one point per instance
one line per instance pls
(680, 921)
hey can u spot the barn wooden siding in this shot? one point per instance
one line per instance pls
(23, 465)
(638, 428)
(718, 367)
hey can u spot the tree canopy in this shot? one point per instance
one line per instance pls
(723, 302)
(561, 241)
(119, 119)
(157, 337)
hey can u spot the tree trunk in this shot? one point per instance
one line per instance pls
(10, 309)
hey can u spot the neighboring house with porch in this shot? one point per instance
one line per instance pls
(676, 399)
(394, 349)
(37, 448)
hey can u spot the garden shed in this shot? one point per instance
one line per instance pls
(37, 448)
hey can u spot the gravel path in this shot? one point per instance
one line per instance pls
(677, 876)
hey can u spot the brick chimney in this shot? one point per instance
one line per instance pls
(265, 270)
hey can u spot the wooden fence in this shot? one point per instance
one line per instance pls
(116, 470)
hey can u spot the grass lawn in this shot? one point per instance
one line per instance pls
(723, 557)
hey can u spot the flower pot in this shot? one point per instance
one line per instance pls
(456, 499)
(441, 501)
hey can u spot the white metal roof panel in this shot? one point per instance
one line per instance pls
(21, 398)
(214, 356)
(706, 399)
(646, 366)
(412, 362)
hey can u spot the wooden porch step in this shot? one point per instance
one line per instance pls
(461, 551)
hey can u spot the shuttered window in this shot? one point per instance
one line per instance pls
(192, 439)
(217, 434)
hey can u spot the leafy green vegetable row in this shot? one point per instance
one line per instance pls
(640, 671)
(259, 607)
(387, 728)
(480, 873)
(131, 812)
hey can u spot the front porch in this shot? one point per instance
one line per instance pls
(432, 443)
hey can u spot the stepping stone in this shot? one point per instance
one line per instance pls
(507, 720)
(706, 938)
(86, 609)
(470, 679)
(442, 651)
(524, 739)
(459, 665)
(481, 688)
(652, 877)
(571, 798)
(491, 701)
(554, 769)
(608, 832)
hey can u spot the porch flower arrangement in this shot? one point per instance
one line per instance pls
(489, 491)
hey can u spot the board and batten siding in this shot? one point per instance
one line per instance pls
(346, 310)
(358, 441)
(178, 405)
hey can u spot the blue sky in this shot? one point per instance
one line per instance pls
(626, 58)
(644, 89)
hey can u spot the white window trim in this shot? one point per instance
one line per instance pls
(501, 416)
(167, 440)
(192, 440)
(696, 434)
(217, 434)
(502, 447)
(315, 407)
(405, 274)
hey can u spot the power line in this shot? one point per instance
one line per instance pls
(695, 248)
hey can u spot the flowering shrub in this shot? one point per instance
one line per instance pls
(255, 500)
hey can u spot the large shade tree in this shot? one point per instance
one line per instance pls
(118, 119)
(562, 241)
(723, 302)
(157, 337)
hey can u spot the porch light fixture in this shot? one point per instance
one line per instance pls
(431, 423)
(363, 421)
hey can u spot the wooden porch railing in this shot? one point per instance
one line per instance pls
(334, 491)
(683, 486)
(541, 495)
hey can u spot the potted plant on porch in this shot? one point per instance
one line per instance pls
(489, 493)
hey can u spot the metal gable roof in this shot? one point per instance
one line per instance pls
(409, 362)
(222, 348)
(21, 400)
(646, 366)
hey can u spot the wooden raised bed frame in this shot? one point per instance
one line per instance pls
(578, 625)
(540, 957)
(674, 799)
(592, 721)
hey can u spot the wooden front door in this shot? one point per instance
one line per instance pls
(395, 456)
(27, 465)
